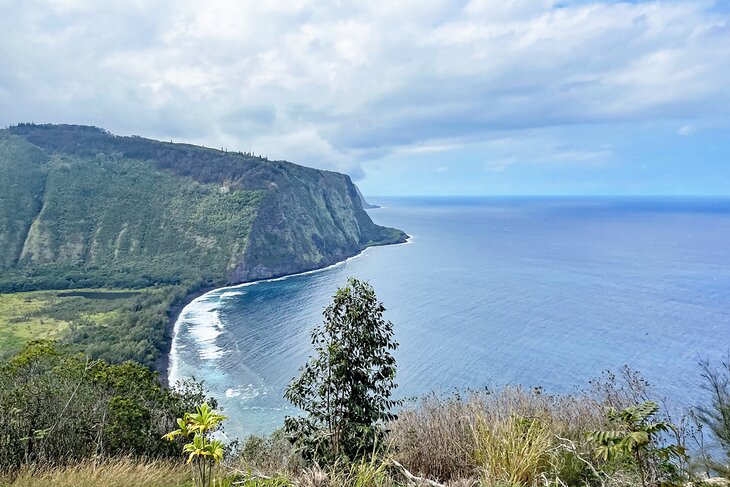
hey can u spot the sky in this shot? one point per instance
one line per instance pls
(426, 97)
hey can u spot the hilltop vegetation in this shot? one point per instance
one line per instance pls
(116, 220)
(82, 208)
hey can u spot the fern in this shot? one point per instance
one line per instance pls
(636, 437)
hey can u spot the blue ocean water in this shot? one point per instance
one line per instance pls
(489, 291)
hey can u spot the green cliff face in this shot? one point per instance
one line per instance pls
(80, 206)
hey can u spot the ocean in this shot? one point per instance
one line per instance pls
(544, 292)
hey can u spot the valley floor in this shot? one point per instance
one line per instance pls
(48, 314)
(114, 324)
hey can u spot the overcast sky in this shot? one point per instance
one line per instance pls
(408, 97)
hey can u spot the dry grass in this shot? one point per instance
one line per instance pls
(434, 439)
(372, 472)
(512, 451)
(459, 438)
(126, 472)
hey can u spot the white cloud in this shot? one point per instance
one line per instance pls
(333, 84)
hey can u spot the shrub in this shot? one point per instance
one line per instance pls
(270, 454)
(716, 414)
(634, 435)
(433, 438)
(438, 439)
(60, 409)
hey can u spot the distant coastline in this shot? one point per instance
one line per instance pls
(162, 364)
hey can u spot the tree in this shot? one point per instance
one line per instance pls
(203, 452)
(716, 414)
(346, 387)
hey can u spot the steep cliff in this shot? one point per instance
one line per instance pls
(81, 202)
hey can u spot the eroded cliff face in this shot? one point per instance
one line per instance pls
(309, 219)
(81, 198)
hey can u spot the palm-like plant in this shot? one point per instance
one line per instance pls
(205, 419)
(203, 452)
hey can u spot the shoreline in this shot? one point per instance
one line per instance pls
(163, 363)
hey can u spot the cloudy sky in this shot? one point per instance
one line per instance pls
(408, 97)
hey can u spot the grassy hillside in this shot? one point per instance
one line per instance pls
(82, 208)
(121, 215)
(161, 212)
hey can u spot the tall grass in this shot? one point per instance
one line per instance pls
(460, 437)
(433, 439)
(124, 472)
(512, 451)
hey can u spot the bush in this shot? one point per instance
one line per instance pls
(635, 439)
(446, 438)
(433, 438)
(58, 409)
(716, 414)
(270, 454)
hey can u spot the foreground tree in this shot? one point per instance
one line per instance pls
(346, 387)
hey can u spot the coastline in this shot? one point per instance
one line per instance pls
(163, 362)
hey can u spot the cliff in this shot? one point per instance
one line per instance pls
(83, 206)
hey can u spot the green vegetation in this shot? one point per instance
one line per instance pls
(20, 198)
(128, 209)
(203, 451)
(122, 223)
(634, 434)
(346, 388)
(59, 408)
(27, 316)
(112, 324)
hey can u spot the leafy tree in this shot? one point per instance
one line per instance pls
(638, 437)
(346, 387)
(203, 452)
